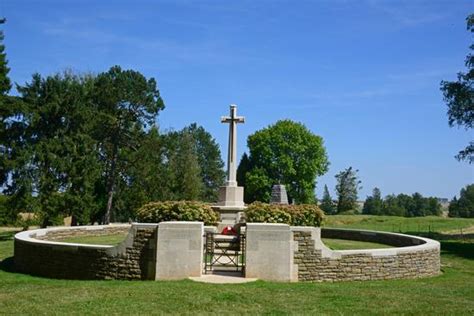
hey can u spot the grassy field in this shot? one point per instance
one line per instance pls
(400, 224)
(451, 293)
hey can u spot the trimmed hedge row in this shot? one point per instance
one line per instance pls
(295, 215)
(156, 212)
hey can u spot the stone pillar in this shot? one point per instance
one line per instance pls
(269, 252)
(179, 250)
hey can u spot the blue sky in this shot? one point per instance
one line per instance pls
(364, 75)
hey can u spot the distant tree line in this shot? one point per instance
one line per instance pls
(464, 205)
(395, 205)
(88, 146)
(401, 205)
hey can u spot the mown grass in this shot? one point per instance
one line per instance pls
(451, 293)
(113, 239)
(335, 244)
(399, 224)
(343, 244)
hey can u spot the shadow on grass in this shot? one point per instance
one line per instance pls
(5, 236)
(8, 265)
(458, 248)
(441, 236)
(461, 245)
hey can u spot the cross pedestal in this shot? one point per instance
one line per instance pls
(231, 197)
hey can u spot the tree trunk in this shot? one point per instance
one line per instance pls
(111, 186)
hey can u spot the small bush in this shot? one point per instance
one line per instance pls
(296, 215)
(156, 212)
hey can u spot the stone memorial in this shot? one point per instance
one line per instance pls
(279, 195)
(231, 196)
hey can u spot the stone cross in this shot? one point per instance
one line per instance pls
(233, 120)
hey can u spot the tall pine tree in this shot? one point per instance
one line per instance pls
(327, 204)
(373, 204)
(126, 103)
(347, 186)
(5, 84)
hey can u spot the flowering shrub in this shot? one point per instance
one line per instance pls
(295, 215)
(156, 212)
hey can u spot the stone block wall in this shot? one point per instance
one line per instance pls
(269, 252)
(133, 259)
(320, 264)
(180, 250)
(59, 233)
(275, 252)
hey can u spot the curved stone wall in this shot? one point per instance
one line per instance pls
(37, 253)
(414, 256)
(274, 252)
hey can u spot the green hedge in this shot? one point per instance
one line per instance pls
(295, 215)
(156, 212)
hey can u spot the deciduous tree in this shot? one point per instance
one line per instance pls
(464, 206)
(459, 96)
(285, 153)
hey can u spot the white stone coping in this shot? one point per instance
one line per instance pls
(229, 208)
(29, 236)
(426, 244)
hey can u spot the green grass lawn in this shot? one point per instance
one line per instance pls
(343, 244)
(399, 224)
(451, 293)
(114, 239)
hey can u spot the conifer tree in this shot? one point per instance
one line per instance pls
(126, 102)
(5, 84)
(327, 204)
(5, 108)
(347, 187)
(373, 204)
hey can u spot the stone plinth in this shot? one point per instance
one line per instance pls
(231, 197)
(269, 252)
(231, 205)
(179, 250)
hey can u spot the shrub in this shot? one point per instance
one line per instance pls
(156, 212)
(296, 215)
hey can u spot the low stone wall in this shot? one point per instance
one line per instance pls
(395, 240)
(133, 259)
(60, 233)
(173, 250)
(417, 257)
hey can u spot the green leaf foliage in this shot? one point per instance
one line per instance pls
(464, 206)
(284, 153)
(401, 205)
(156, 212)
(295, 215)
(327, 204)
(125, 102)
(347, 186)
(5, 84)
(87, 146)
(373, 204)
(459, 97)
